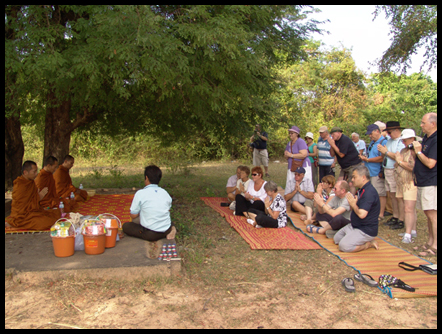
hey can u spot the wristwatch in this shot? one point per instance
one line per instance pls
(420, 152)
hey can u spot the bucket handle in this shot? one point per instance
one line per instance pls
(110, 214)
(65, 219)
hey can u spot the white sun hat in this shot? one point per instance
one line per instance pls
(409, 133)
(309, 134)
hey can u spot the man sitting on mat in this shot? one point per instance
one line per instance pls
(298, 191)
(360, 233)
(335, 214)
(150, 210)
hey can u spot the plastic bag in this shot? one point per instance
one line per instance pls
(79, 242)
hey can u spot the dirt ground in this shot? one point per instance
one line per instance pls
(223, 285)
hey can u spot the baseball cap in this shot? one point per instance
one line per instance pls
(300, 170)
(323, 129)
(336, 129)
(371, 128)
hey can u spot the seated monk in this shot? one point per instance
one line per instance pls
(26, 212)
(63, 182)
(45, 179)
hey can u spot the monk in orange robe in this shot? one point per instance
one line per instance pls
(26, 212)
(46, 179)
(63, 181)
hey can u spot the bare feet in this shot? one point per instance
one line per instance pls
(373, 244)
(303, 217)
(172, 234)
(308, 222)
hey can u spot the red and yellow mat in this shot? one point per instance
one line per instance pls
(261, 238)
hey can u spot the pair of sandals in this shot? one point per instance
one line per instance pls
(427, 250)
(313, 228)
(349, 284)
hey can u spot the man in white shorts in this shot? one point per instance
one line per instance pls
(425, 170)
(260, 154)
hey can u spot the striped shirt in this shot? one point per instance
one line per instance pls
(324, 157)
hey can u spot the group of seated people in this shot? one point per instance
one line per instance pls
(36, 196)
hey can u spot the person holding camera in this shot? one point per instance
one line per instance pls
(425, 170)
(259, 144)
(406, 191)
(393, 145)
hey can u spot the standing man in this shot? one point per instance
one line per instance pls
(326, 162)
(425, 170)
(373, 162)
(359, 144)
(345, 151)
(259, 143)
(393, 145)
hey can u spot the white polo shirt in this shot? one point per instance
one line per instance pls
(153, 204)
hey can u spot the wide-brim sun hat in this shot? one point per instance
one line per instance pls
(392, 125)
(409, 133)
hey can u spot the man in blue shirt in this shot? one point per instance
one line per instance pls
(373, 162)
(325, 161)
(150, 210)
(359, 235)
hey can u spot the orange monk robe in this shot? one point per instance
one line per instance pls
(64, 186)
(26, 212)
(51, 200)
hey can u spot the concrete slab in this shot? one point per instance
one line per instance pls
(32, 256)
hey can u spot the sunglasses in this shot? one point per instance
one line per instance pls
(255, 174)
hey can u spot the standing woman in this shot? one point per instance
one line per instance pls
(313, 157)
(255, 195)
(296, 153)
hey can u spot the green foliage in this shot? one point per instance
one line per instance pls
(412, 27)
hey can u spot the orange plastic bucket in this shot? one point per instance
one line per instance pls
(64, 246)
(111, 237)
(94, 244)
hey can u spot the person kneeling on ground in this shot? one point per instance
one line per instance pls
(335, 214)
(298, 191)
(150, 210)
(275, 215)
(360, 233)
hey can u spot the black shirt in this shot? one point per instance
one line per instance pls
(424, 176)
(259, 143)
(347, 147)
(368, 200)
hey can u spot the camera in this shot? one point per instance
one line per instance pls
(410, 146)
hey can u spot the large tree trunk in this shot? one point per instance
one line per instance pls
(14, 150)
(58, 126)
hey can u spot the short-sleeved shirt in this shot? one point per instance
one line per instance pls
(324, 157)
(337, 202)
(300, 144)
(245, 185)
(311, 150)
(393, 145)
(426, 177)
(152, 203)
(360, 145)
(280, 205)
(368, 200)
(261, 193)
(261, 144)
(374, 167)
(305, 185)
(231, 182)
(347, 147)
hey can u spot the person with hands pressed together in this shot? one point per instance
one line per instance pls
(298, 191)
(275, 215)
(334, 214)
(425, 170)
(359, 235)
(393, 145)
(325, 190)
(345, 151)
(373, 161)
(255, 195)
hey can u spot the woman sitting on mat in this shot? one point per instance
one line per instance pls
(275, 207)
(255, 195)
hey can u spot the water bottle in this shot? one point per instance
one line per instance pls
(81, 186)
(72, 195)
(61, 207)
